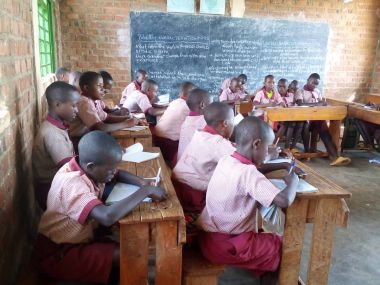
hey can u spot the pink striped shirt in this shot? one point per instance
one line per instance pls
(233, 195)
(228, 95)
(137, 102)
(308, 96)
(288, 99)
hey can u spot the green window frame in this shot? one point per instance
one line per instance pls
(46, 37)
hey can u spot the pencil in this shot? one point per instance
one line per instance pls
(277, 140)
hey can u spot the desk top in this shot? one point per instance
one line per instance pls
(131, 134)
(306, 113)
(326, 188)
(359, 112)
(169, 209)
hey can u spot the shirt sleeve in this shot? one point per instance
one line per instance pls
(130, 89)
(59, 147)
(143, 103)
(260, 188)
(258, 97)
(278, 99)
(88, 114)
(223, 96)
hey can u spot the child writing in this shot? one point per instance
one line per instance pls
(66, 248)
(141, 76)
(235, 192)
(197, 101)
(52, 147)
(233, 93)
(194, 168)
(168, 127)
(309, 95)
(91, 117)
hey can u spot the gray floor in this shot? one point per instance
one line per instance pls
(356, 256)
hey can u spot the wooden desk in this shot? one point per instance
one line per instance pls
(325, 209)
(364, 114)
(128, 138)
(336, 102)
(372, 98)
(165, 221)
(243, 107)
(334, 114)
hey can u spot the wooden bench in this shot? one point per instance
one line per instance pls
(196, 270)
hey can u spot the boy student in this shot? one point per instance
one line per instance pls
(309, 95)
(293, 87)
(236, 190)
(140, 101)
(91, 117)
(168, 127)
(141, 76)
(197, 101)
(52, 147)
(233, 93)
(62, 74)
(108, 84)
(74, 79)
(66, 248)
(267, 96)
(242, 78)
(195, 167)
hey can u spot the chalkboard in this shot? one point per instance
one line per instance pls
(207, 49)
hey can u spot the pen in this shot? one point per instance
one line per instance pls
(277, 140)
(292, 165)
(157, 177)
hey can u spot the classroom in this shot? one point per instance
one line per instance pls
(193, 142)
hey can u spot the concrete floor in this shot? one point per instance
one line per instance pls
(356, 255)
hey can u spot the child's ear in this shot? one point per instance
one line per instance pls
(256, 143)
(202, 105)
(90, 166)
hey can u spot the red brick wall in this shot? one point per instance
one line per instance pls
(375, 86)
(18, 122)
(97, 36)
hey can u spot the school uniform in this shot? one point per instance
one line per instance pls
(65, 248)
(137, 102)
(52, 148)
(131, 87)
(102, 105)
(167, 130)
(226, 84)
(193, 170)
(288, 99)
(228, 95)
(264, 97)
(234, 194)
(195, 121)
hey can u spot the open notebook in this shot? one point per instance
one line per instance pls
(136, 128)
(303, 186)
(135, 153)
(121, 191)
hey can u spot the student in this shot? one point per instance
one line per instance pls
(66, 247)
(233, 93)
(91, 117)
(166, 132)
(293, 87)
(197, 101)
(74, 79)
(108, 84)
(62, 74)
(309, 95)
(195, 167)
(236, 190)
(140, 101)
(267, 96)
(52, 147)
(141, 76)
(242, 78)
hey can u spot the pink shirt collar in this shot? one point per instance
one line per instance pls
(59, 124)
(74, 166)
(192, 114)
(241, 158)
(210, 130)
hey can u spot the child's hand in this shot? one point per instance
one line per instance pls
(291, 178)
(124, 112)
(273, 152)
(156, 193)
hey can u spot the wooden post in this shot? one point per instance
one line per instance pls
(335, 132)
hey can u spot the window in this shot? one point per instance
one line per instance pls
(46, 37)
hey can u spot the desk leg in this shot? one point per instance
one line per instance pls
(168, 254)
(322, 241)
(292, 242)
(335, 133)
(134, 242)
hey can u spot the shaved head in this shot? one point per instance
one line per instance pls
(217, 112)
(147, 84)
(100, 148)
(60, 91)
(251, 129)
(196, 97)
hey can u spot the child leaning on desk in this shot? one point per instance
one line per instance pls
(66, 248)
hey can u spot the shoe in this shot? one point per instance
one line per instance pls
(340, 161)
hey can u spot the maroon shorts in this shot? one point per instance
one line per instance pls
(320, 126)
(192, 200)
(88, 262)
(258, 252)
(168, 147)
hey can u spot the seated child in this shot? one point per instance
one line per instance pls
(168, 127)
(141, 76)
(233, 93)
(62, 74)
(236, 190)
(108, 83)
(91, 117)
(52, 147)
(267, 96)
(193, 170)
(66, 247)
(293, 87)
(197, 101)
(74, 79)
(309, 95)
(242, 78)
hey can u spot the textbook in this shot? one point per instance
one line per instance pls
(238, 118)
(121, 191)
(136, 128)
(135, 153)
(303, 186)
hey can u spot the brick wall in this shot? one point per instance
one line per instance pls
(97, 36)
(18, 121)
(375, 86)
